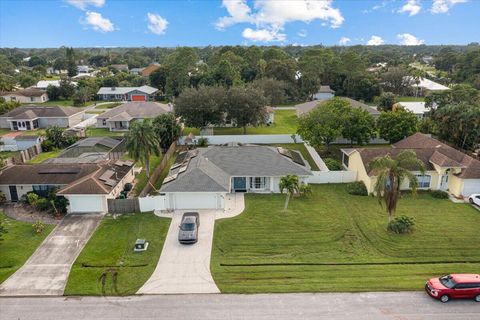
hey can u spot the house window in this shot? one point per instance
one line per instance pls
(35, 124)
(43, 190)
(32, 99)
(104, 122)
(423, 180)
(258, 183)
(15, 125)
(345, 160)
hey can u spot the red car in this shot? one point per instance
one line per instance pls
(454, 286)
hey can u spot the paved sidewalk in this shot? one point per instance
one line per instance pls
(184, 268)
(46, 271)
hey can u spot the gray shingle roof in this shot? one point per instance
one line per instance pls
(136, 110)
(44, 111)
(125, 90)
(306, 107)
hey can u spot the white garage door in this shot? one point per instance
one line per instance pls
(471, 186)
(196, 201)
(86, 204)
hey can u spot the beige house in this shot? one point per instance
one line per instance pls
(447, 169)
(29, 95)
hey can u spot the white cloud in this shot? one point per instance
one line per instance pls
(344, 41)
(270, 16)
(82, 4)
(407, 39)
(263, 35)
(375, 41)
(156, 23)
(97, 22)
(302, 33)
(443, 6)
(411, 6)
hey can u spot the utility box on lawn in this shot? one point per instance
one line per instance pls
(140, 245)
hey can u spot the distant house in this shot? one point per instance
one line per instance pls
(143, 93)
(417, 107)
(28, 95)
(201, 178)
(306, 107)
(447, 169)
(83, 69)
(32, 117)
(425, 85)
(146, 72)
(136, 71)
(120, 67)
(324, 93)
(16, 141)
(86, 186)
(43, 84)
(120, 118)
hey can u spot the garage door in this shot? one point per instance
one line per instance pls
(86, 204)
(471, 186)
(138, 97)
(196, 201)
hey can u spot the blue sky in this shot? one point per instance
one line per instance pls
(90, 23)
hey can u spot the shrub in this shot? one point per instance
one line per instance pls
(402, 224)
(3, 198)
(202, 142)
(439, 194)
(43, 204)
(38, 227)
(47, 145)
(305, 190)
(357, 188)
(333, 164)
(32, 198)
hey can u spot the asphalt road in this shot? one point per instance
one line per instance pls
(351, 306)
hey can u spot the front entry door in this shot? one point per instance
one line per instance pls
(444, 182)
(240, 184)
(13, 193)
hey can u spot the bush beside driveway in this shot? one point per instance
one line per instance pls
(338, 242)
(110, 250)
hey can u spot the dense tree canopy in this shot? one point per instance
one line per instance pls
(396, 125)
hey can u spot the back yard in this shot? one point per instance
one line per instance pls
(338, 242)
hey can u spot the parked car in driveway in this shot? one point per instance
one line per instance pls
(454, 286)
(474, 199)
(188, 232)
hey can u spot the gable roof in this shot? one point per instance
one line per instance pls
(135, 110)
(28, 92)
(149, 69)
(125, 90)
(42, 112)
(213, 167)
(306, 107)
(417, 107)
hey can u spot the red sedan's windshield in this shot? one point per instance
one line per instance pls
(447, 281)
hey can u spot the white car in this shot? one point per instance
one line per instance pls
(474, 199)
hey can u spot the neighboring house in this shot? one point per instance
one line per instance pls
(417, 108)
(32, 117)
(324, 93)
(201, 178)
(43, 84)
(16, 141)
(120, 67)
(306, 107)
(146, 72)
(83, 69)
(86, 186)
(447, 169)
(143, 93)
(28, 95)
(136, 71)
(425, 85)
(91, 150)
(120, 118)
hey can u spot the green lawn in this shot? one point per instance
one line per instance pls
(142, 177)
(299, 147)
(409, 99)
(44, 156)
(187, 130)
(103, 132)
(18, 244)
(338, 242)
(4, 131)
(285, 122)
(335, 152)
(108, 105)
(8, 154)
(111, 250)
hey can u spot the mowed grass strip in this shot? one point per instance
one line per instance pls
(18, 244)
(110, 250)
(335, 227)
(285, 122)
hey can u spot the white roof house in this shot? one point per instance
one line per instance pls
(417, 107)
(428, 84)
(43, 84)
(125, 90)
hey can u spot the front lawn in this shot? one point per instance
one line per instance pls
(299, 147)
(110, 250)
(18, 244)
(338, 242)
(44, 156)
(285, 122)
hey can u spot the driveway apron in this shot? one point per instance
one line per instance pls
(184, 268)
(46, 272)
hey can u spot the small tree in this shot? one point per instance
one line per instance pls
(396, 125)
(142, 142)
(386, 101)
(167, 128)
(290, 184)
(390, 173)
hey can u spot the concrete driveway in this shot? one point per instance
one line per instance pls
(184, 268)
(46, 271)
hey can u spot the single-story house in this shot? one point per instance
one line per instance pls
(16, 141)
(147, 71)
(447, 168)
(86, 186)
(27, 95)
(119, 67)
(425, 85)
(43, 84)
(416, 107)
(201, 178)
(32, 117)
(119, 118)
(136, 71)
(308, 106)
(143, 93)
(324, 93)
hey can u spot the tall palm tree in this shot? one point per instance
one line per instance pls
(390, 174)
(142, 142)
(291, 185)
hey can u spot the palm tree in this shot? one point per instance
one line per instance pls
(142, 142)
(291, 185)
(390, 174)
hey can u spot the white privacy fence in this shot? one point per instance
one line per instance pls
(89, 120)
(320, 177)
(151, 203)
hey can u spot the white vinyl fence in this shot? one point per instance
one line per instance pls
(88, 120)
(151, 203)
(320, 177)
